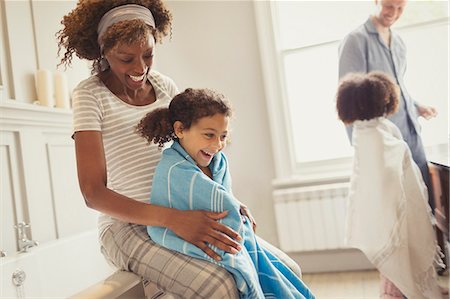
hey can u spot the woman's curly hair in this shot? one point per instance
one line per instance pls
(366, 96)
(187, 107)
(79, 33)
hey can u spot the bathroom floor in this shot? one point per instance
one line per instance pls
(350, 285)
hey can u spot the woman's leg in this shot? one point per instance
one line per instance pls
(282, 256)
(129, 248)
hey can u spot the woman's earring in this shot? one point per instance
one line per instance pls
(104, 64)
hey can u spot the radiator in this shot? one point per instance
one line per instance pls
(311, 218)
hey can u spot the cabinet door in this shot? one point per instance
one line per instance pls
(72, 214)
(38, 192)
(11, 191)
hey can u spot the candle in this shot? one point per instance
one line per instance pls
(44, 88)
(61, 91)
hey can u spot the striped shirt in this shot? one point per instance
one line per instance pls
(130, 161)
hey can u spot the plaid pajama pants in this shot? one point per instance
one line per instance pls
(128, 247)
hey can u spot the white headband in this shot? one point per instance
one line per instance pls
(122, 13)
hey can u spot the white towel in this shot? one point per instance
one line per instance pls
(389, 217)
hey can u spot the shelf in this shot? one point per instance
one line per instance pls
(17, 113)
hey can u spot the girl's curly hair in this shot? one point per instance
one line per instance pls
(79, 33)
(366, 96)
(187, 107)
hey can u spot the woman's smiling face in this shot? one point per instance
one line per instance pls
(131, 63)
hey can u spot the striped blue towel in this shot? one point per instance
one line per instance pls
(178, 183)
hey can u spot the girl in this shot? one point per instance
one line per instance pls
(388, 213)
(197, 122)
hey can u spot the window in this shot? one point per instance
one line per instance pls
(299, 47)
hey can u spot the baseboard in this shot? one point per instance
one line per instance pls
(332, 261)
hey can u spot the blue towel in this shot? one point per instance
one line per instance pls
(178, 183)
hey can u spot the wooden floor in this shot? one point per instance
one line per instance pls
(349, 285)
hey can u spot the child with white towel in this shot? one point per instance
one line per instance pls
(388, 218)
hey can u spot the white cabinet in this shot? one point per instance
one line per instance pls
(38, 175)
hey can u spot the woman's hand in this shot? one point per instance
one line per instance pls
(245, 211)
(201, 228)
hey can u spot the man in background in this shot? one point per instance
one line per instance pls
(373, 46)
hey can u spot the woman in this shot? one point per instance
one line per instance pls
(115, 165)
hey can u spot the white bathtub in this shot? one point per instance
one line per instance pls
(56, 269)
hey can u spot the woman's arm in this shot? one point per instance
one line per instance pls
(192, 226)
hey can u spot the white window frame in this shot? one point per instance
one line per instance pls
(288, 172)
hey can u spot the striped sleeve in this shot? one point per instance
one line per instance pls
(171, 87)
(87, 115)
(166, 84)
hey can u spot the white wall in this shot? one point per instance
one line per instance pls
(427, 77)
(214, 45)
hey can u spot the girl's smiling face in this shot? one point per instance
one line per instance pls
(205, 138)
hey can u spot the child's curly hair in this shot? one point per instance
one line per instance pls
(79, 35)
(366, 96)
(187, 107)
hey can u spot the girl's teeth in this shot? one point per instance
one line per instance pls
(209, 154)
